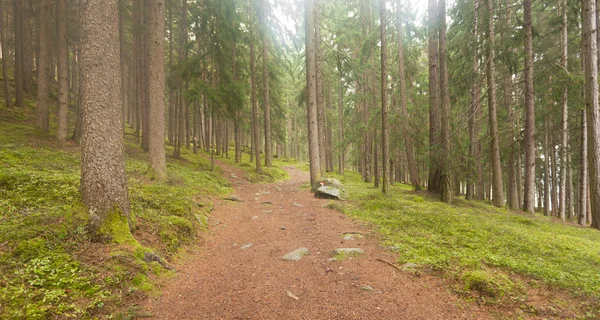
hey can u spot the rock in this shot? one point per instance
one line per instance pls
(348, 251)
(246, 246)
(296, 204)
(151, 257)
(327, 192)
(267, 202)
(366, 288)
(267, 211)
(234, 198)
(291, 295)
(296, 255)
(331, 182)
(282, 228)
(409, 266)
(254, 217)
(352, 236)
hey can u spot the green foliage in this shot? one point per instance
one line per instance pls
(49, 268)
(469, 238)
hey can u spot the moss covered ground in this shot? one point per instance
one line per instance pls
(49, 267)
(496, 253)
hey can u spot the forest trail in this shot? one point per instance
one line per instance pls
(239, 273)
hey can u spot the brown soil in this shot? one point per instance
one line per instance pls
(224, 281)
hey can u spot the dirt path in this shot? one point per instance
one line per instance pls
(231, 279)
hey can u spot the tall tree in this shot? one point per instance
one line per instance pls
(384, 101)
(445, 184)
(266, 97)
(498, 192)
(311, 92)
(529, 179)
(564, 57)
(18, 32)
(63, 80)
(103, 179)
(156, 85)
(474, 109)
(592, 107)
(434, 183)
(255, 122)
(4, 44)
(408, 145)
(44, 63)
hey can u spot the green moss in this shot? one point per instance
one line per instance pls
(490, 284)
(116, 228)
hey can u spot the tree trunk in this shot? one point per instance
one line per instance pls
(63, 81)
(311, 92)
(255, 123)
(446, 184)
(472, 179)
(4, 44)
(565, 115)
(592, 107)
(583, 173)
(103, 180)
(266, 97)
(410, 153)
(319, 92)
(546, 169)
(529, 184)
(18, 26)
(434, 184)
(156, 86)
(385, 157)
(122, 55)
(342, 150)
(43, 91)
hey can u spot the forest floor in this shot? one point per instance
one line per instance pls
(239, 273)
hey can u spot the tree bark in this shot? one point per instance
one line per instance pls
(18, 26)
(43, 91)
(266, 97)
(473, 178)
(4, 44)
(255, 123)
(342, 150)
(583, 173)
(529, 183)
(156, 86)
(592, 107)
(546, 168)
(103, 180)
(564, 37)
(445, 180)
(434, 184)
(311, 92)
(319, 92)
(384, 102)
(63, 81)
(498, 191)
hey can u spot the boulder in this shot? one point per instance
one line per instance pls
(296, 255)
(327, 192)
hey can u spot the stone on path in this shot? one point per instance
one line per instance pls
(296, 255)
(352, 236)
(254, 217)
(348, 251)
(246, 246)
(409, 266)
(327, 192)
(296, 204)
(234, 198)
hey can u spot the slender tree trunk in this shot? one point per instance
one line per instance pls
(63, 81)
(434, 184)
(384, 102)
(156, 86)
(255, 123)
(564, 38)
(342, 150)
(43, 91)
(122, 55)
(546, 168)
(18, 26)
(446, 184)
(266, 98)
(473, 110)
(498, 191)
(4, 44)
(529, 184)
(311, 99)
(103, 180)
(320, 97)
(592, 107)
(583, 173)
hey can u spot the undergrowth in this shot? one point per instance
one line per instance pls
(483, 248)
(49, 268)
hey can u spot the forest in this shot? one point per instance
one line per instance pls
(139, 135)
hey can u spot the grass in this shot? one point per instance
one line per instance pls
(482, 247)
(49, 268)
